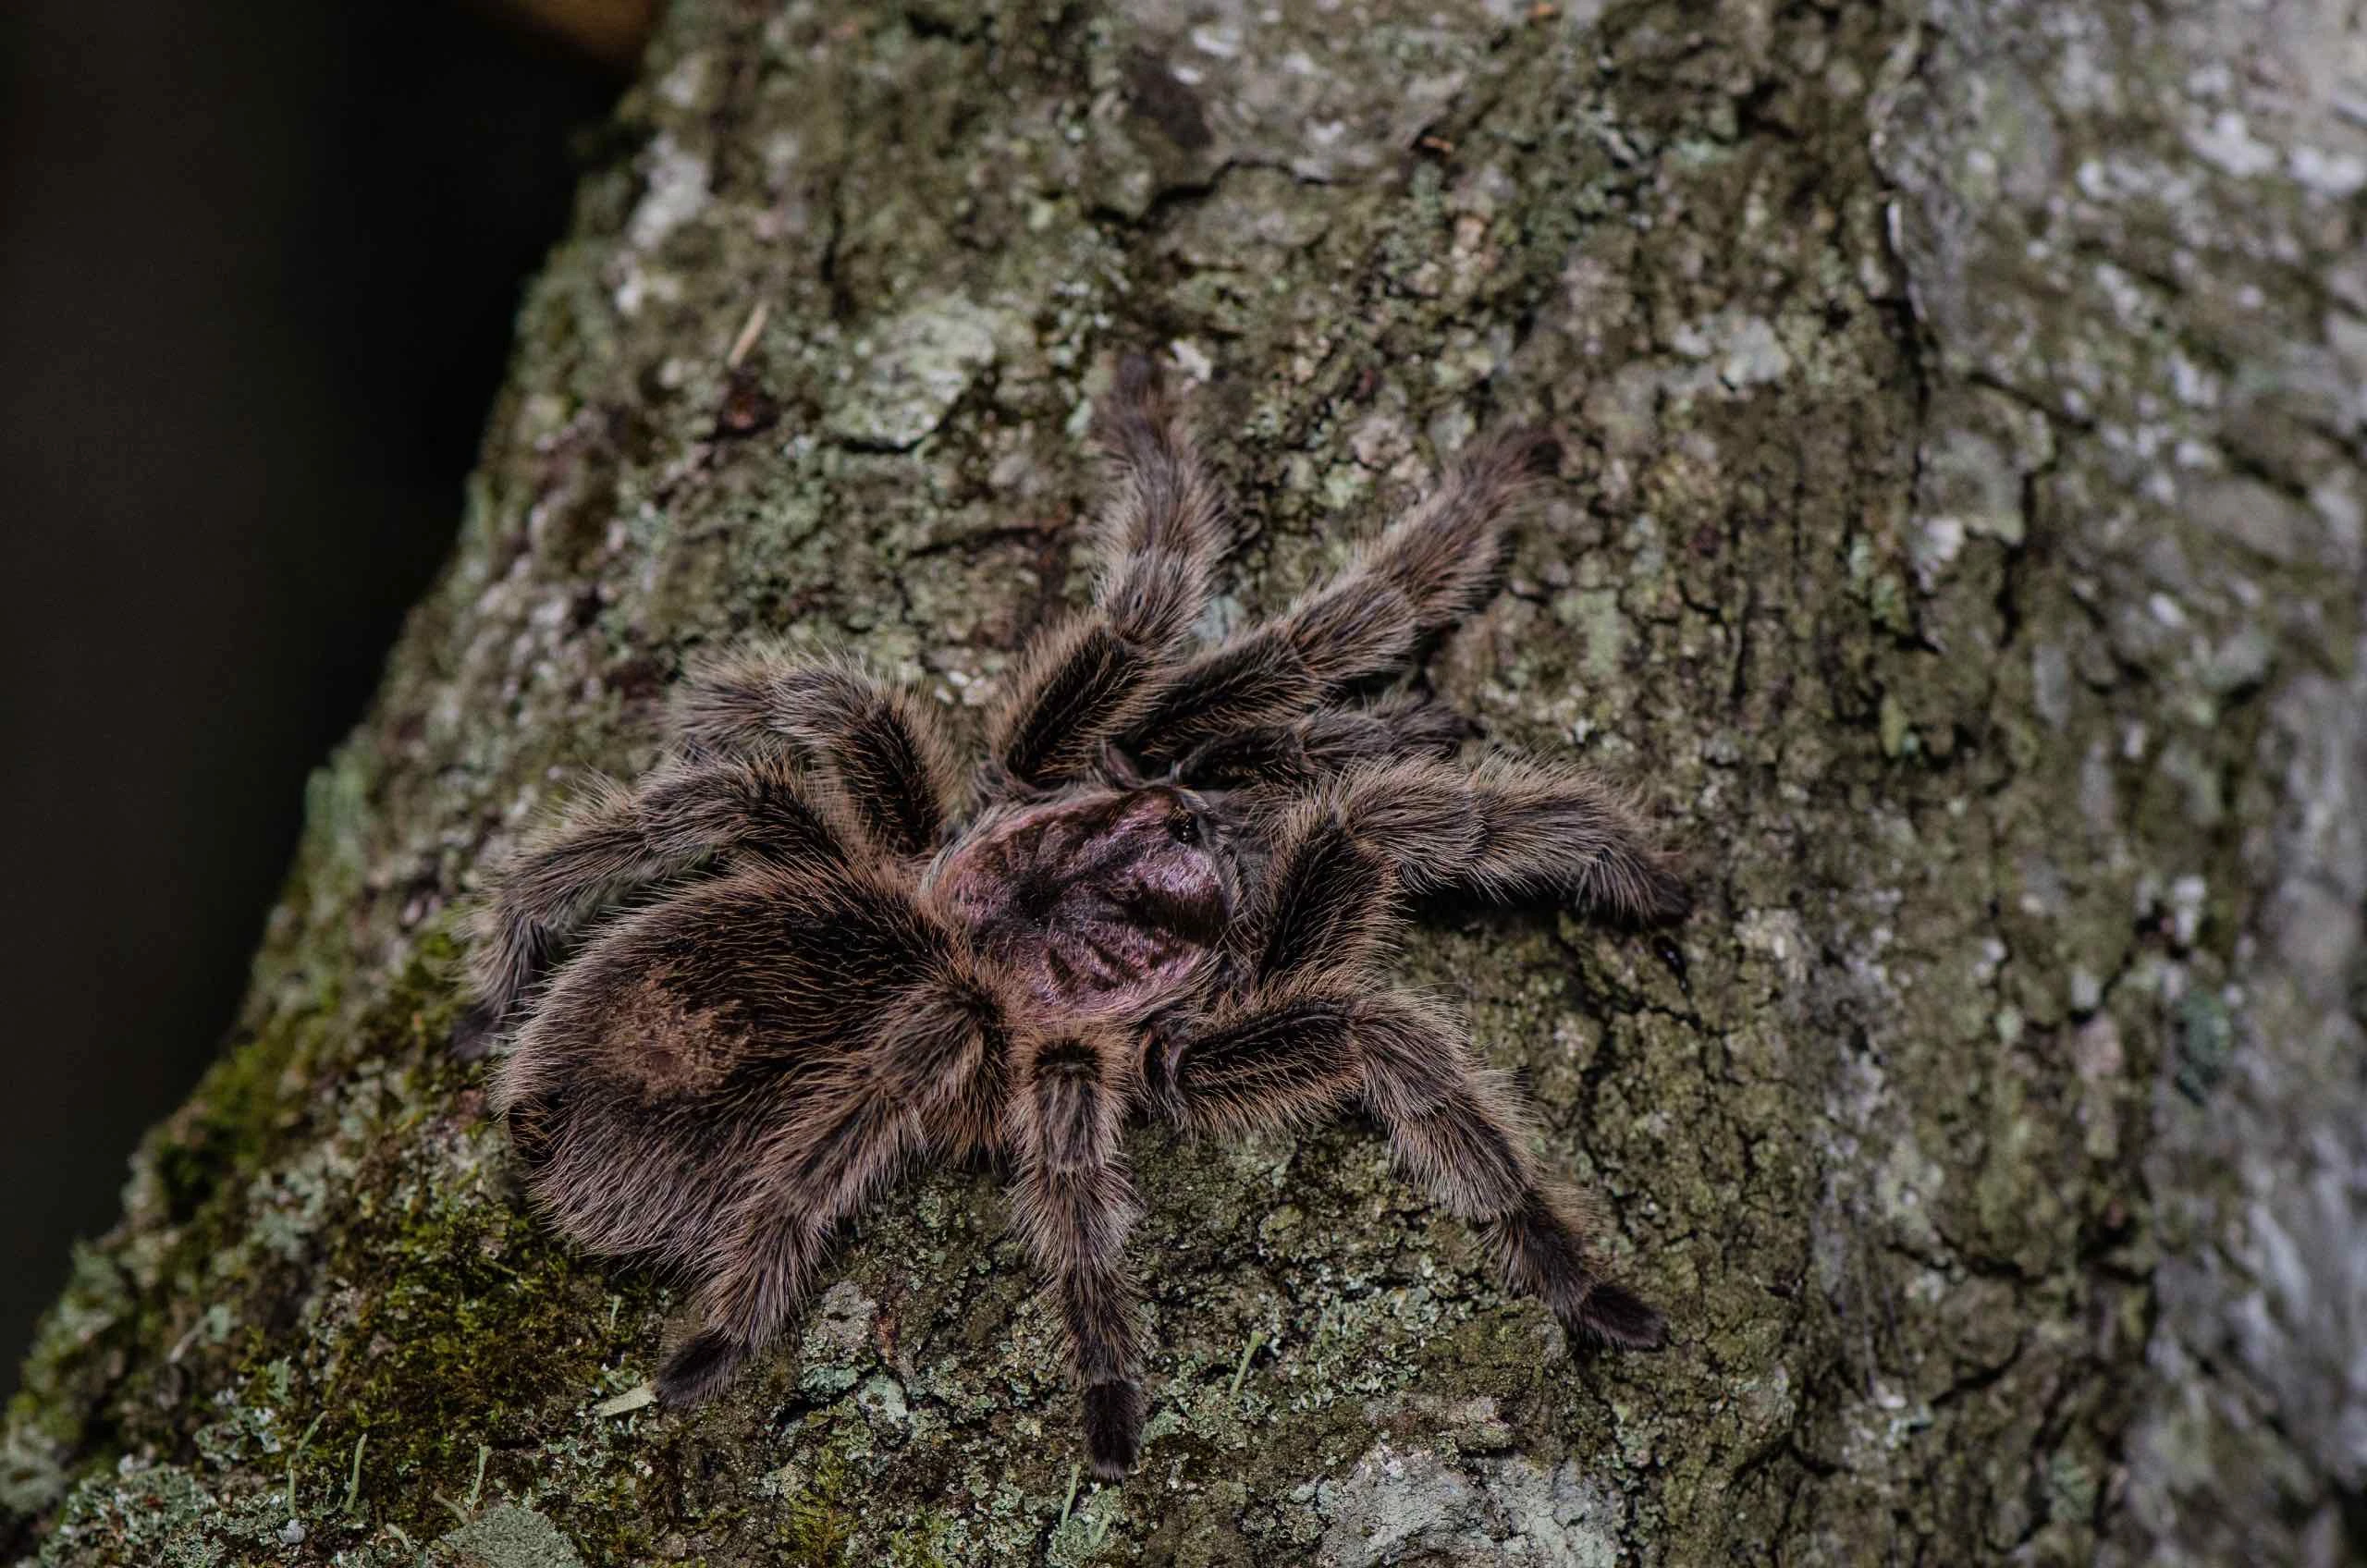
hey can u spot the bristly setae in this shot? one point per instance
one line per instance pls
(805, 953)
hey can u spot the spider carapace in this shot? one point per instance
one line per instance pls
(810, 949)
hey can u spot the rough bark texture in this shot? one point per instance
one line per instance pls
(1959, 537)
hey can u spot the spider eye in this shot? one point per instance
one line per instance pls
(1184, 829)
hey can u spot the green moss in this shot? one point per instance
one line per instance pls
(226, 1130)
(466, 1327)
(816, 1526)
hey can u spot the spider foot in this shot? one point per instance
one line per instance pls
(1531, 451)
(1664, 900)
(698, 1371)
(1617, 1317)
(474, 1032)
(1113, 1426)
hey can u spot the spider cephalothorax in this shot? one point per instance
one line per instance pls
(1102, 903)
(1162, 892)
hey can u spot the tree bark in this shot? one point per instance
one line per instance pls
(1959, 537)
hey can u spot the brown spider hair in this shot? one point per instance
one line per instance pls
(800, 954)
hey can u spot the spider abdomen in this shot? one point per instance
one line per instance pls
(699, 1039)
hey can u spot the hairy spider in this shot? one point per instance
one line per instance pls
(805, 956)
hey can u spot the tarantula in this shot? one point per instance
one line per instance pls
(1164, 891)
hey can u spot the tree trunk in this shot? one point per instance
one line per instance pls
(1959, 537)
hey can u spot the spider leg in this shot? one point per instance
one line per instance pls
(1160, 535)
(1304, 1052)
(1509, 829)
(1422, 574)
(625, 840)
(841, 1144)
(1072, 1202)
(882, 742)
(777, 1254)
(774, 1263)
(1325, 743)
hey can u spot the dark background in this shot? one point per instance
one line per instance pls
(258, 263)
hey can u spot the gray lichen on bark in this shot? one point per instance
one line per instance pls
(1959, 537)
